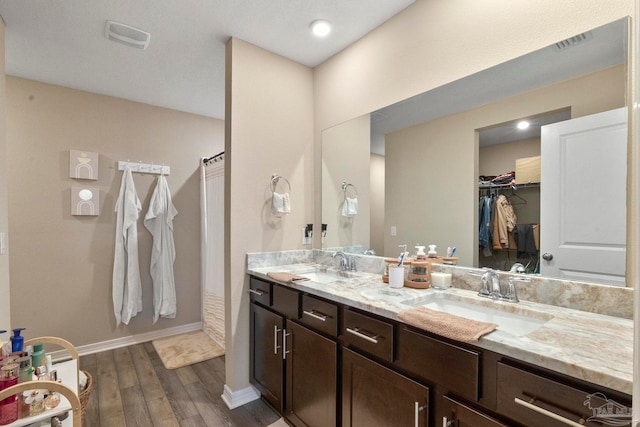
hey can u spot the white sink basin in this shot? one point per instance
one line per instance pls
(518, 323)
(325, 276)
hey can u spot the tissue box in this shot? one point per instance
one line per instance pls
(528, 170)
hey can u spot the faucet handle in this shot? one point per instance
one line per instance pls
(512, 294)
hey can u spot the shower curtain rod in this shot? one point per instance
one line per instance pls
(214, 158)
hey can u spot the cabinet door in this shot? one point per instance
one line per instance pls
(375, 396)
(461, 415)
(267, 364)
(311, 364)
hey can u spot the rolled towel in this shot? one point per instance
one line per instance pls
(280, 203)
(282, 276)
(445, 324)
(350, 207)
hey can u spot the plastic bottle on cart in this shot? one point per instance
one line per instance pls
(38, 356)
(17, 340)
(8, 406)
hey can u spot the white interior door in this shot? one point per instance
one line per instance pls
(583, 198)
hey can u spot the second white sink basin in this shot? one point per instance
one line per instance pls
(518, 323)
(325, 276)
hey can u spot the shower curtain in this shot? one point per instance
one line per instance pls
(212, 235)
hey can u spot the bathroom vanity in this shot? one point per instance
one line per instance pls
(332, 351)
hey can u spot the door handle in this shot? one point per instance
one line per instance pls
(284, 344)
(416, 414)
(547, 256)
(275, 339)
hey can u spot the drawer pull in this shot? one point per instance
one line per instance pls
(356, 332)
(547, 413)
(256, 292)
(416, 415)
(315, 315)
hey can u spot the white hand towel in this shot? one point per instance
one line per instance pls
(350, 207)
(280, 203)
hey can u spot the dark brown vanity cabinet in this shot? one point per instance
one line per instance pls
(267, 369)
(375, 396)
(294, 367)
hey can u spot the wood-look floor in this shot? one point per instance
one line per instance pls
(131, 387)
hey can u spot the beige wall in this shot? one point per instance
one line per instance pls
(5, 307)
(61, 265)
(344, 147)
(444, 154)
(269, 119)
(377, 203)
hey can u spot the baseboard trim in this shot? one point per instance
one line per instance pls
(83, 350)
(234, 399)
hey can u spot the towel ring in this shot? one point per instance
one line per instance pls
(346, 186)
(275, 178)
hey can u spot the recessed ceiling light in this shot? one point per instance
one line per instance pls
(320, 27)
(523, 125)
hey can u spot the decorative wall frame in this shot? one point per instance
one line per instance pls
(85, 201)
(83, 165)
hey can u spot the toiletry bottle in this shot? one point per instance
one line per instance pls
(420, 255)
(17, 340)
(432, 252)
(4, 351)
(37, 358)
(8, 406)
(25, 372)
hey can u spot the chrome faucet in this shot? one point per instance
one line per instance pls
(346, 262)
(490, 287)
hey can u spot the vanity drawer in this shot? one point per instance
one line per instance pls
(535, 400)
(286, 301)
(320, 315)
(368, 334)
(457, 369)
(260, 291)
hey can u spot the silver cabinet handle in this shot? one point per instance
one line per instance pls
(315, 315)
(256, 292)
(275, 339)
(416, 415)
(447, 423)
(284, 344)
(547, 413)
(356, 332)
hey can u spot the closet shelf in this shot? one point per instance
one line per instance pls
(507, 186)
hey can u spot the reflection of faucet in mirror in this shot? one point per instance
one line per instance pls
(490, 279)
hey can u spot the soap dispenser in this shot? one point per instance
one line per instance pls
(420, 252)
(432, 252)
(17, 340)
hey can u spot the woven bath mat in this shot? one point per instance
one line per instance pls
(186, 349)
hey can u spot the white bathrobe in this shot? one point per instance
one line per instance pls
(127, 289)
(159, 222)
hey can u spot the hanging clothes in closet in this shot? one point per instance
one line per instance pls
(126, 286)
(159, 222)
(504, 220)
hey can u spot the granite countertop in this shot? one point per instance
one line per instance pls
(592, 347)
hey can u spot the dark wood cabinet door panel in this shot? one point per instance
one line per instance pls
(535, 400)
(368, 334)
(436, 361)
(260, 291)
(286, 301)
(267, 364)
(320, 315)
(312, 375)
(375, 396)
(460, 415)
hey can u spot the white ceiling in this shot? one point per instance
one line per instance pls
(61, 42)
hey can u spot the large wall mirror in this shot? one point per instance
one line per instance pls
(414, 167)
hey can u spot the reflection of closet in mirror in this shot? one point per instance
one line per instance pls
(501, 147)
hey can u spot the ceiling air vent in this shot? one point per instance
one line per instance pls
(572, 41)
(127, 35)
